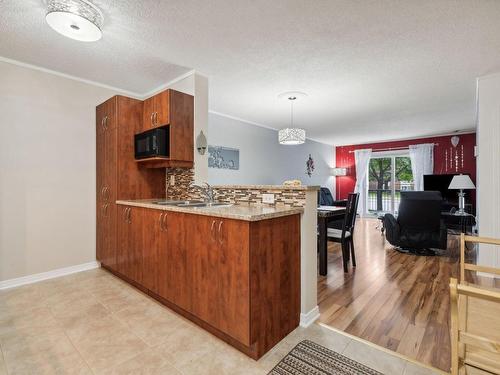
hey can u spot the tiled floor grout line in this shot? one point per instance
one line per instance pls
(70, 341)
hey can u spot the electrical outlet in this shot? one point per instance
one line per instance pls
(268, 198)
(172, 180)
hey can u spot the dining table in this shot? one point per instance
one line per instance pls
(326, 214)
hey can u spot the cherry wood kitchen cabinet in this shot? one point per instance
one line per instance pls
(130, 259)
(240, 280)
(175, 111)
(174, 259)
(220, 275)
(117, 174)
(157, 110)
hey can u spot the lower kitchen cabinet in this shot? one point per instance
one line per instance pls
(173, 262)
(238, 279)
(153, 240)
(220, 275)
(129, 243)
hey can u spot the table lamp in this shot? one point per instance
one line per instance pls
(461, 182)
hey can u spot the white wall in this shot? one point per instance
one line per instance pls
(262, 159)
(197, 85)
(47, 171)
(488, 166)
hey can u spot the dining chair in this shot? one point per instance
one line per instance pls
(345, 235)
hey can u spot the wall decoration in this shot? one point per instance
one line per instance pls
(201, 143)
(223, 157)
(309, 166)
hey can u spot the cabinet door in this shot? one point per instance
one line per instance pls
(135, 257)
(175, 275)
(148, 114)
(204, 259)
(100, 165)
(129, 247)
(181, 126)
(153, 241)
(123, 241)
(220, 274)
(233, 289)
(162, 108)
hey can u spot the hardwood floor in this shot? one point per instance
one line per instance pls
(397, 301)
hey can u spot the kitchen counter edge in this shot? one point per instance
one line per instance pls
(235, 211)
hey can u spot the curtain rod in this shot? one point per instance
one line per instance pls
(391, 148)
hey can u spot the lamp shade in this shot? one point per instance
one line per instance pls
(338, 171)
(460, 182)
(292, 136)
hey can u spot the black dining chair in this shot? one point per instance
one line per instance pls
(345, 235)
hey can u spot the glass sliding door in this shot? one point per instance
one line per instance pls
(388, 175)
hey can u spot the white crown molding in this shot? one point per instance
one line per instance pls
(309, 318)
(68, 76)
(132, 94)
(242, 120)
(30, 279)
(259, 124)
(167, 85)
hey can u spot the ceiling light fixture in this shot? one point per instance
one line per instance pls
(291, 135)
(75, 19)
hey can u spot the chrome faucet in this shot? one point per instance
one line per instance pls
(207, 190)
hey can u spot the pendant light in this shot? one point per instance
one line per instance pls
(76, 19)
(291, 135)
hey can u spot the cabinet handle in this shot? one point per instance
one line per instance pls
(102, 124)
(125, 214)
(106, 122)
(221, 240)
(102, 192)
(152, 117)
(212, 232)
(156, 118)
(160, 221)
(129, 217)
(105, 193)
(105, 209)
(165, 222)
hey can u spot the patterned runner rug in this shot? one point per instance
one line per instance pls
(309, 358)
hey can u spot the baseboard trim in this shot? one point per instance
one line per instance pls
(309, 318)
(30, 279)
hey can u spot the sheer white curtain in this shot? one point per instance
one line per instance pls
(422, 162)
(362, 159)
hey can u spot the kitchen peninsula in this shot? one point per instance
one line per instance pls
(233, 268)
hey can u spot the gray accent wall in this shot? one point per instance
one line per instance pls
(262, 159)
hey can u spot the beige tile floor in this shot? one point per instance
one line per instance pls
(94, 323)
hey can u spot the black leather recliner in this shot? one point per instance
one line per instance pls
(419, 225)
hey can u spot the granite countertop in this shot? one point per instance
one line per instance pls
(268, 187)
(235, 211)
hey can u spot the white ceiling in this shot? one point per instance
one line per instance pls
(373, 69)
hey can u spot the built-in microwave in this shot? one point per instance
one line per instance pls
(152, 143)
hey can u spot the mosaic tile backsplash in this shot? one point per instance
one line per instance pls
(183, 190)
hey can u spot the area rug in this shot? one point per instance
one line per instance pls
(313, 359)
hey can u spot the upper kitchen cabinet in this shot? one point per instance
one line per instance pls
(157, 110)
(174, 110)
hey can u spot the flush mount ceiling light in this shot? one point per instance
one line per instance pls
(291, 135)
(75, 19)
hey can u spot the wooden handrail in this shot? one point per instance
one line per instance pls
(478, 293)
(473, 267)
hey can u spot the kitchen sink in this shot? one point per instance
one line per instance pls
(193, 204)
(203, 204)
(177, 203)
